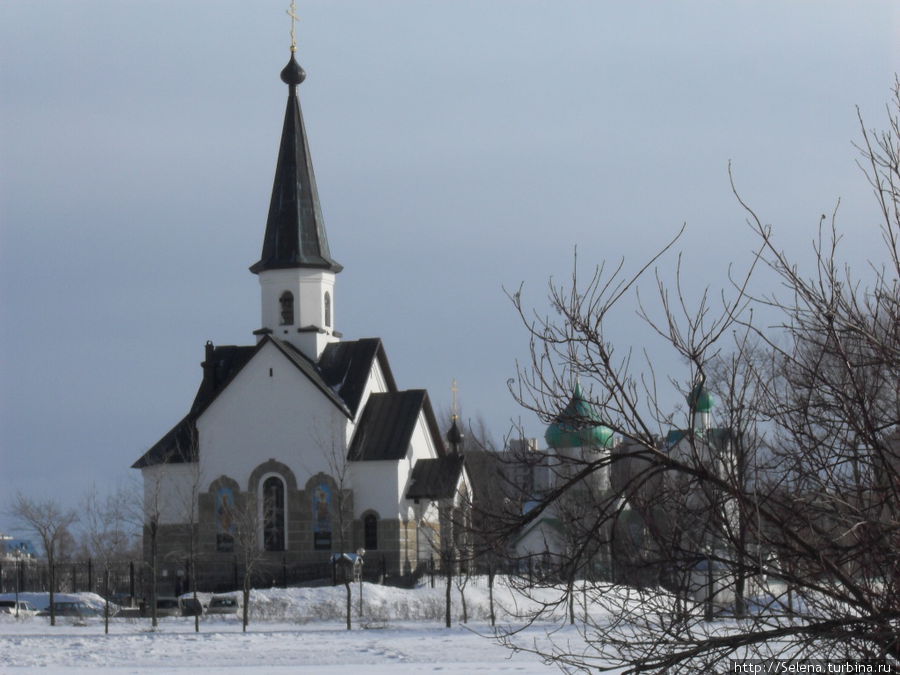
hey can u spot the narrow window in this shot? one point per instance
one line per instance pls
(370, 532)
(287, 308)
(225, 520)
(273, 514)
(327, 309)
(321, 512)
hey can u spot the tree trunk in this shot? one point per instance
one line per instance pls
(52, 591)
(570, 590)
(153, 575)
(491, 593)
(106, 600)
(349, 601)
(449, 574)
(246, 595)
(462, 600)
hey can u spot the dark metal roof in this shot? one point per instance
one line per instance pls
(435, 478)
(221, 366)
(295, 229)
(387, 422)
(345, 366)
(386, 426)
(308, 367)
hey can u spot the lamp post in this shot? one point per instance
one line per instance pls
(360, 552)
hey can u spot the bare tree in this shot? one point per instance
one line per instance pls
(341, 511)
(246, 515)
(793, 479)
(50, 522)
(189, 496)
(106, 529)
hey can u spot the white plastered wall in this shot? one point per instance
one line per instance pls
(271, 410)
(169, 490)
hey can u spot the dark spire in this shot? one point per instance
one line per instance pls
(455, 437)
(295, 229)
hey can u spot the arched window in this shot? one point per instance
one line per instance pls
(327, 309)
(287, 308)
(370, 532)
(273, 514)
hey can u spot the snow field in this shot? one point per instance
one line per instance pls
(298, 630)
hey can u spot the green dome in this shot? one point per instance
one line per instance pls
(700, 399)
(571, 428)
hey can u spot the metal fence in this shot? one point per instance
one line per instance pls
(129, 580)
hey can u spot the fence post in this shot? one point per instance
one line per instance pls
(431, 569)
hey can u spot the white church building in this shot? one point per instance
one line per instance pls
(302, 442)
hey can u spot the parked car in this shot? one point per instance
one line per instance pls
(223, 604)
(190, 606)
(167, 607)
(20, 607)
(70, 608)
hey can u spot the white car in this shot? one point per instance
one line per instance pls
(24, 608)
(223, 604)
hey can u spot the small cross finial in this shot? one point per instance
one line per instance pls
(292, 12)
(455, 408)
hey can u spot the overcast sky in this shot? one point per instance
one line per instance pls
(459, 148)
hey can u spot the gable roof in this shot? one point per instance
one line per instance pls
(386, 426)
(221, 366)
(387, 423)
(345, 367)
(308, 367)
(435, 478)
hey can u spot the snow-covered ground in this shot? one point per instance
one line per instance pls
(291, 630)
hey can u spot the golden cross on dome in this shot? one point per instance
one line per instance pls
(292, 12)
(455, 409)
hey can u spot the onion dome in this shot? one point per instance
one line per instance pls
(292, 74)
(700, 400)
(579, 425)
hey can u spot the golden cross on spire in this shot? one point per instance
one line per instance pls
(292, 12)
(454, 411)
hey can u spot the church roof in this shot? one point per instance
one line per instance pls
(344, 373)
(578, 425)
(295, 229)
(345, 367)
(435, 478)
(308, 367)
(179, 444)
(387, 423)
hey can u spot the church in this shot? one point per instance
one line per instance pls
(301, 446)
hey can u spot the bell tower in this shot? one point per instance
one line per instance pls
(296, 271)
